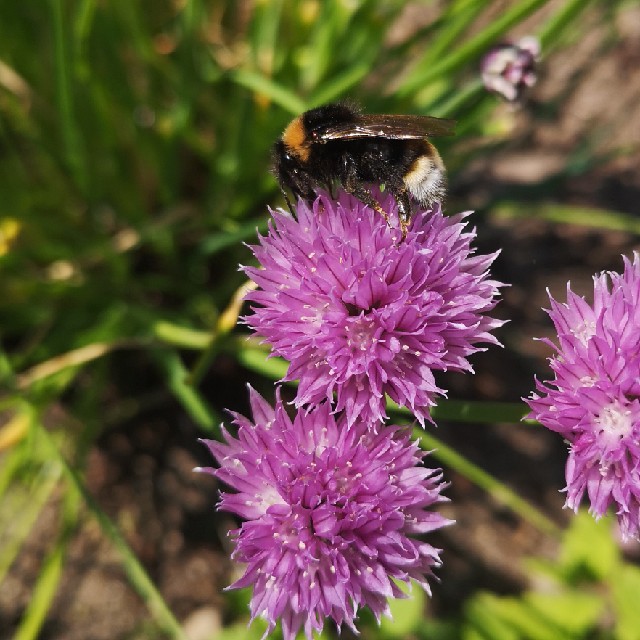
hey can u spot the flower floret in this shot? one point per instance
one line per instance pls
(330, 512)
(593, 400)
(360, 311)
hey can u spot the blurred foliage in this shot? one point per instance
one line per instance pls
(586, 594)
(589, 592)
(134, 154)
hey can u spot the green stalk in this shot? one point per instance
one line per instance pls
(496, 489)
(63, 69)
(473, 49)
(138, 577)
(50, 575)
(552, 29)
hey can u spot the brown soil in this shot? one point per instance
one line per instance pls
(575, 141)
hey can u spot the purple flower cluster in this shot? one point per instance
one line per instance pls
(333, 499)
(361, 312)
(509, 69)
(594, 398)
(330, 511)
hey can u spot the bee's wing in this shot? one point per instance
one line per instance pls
(399, 127)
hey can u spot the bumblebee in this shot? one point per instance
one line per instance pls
(338, 143)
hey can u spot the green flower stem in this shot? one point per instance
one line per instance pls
(496, 489)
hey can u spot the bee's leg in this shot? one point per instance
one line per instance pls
(286, 199)
(301, 188)
(328, 186)
(404, 211)
(401, 196)
(351, 184)
(364, 195)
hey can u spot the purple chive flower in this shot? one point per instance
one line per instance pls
(508, 69)
(329, 512)
(360, 311)
(594, 399)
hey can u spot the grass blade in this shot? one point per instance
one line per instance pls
(43, 593)
(472, 49)
(270, 89)
(136, 573)
(63, 72)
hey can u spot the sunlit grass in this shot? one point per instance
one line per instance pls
(134, 161)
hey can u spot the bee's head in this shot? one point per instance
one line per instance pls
(286, 165)
(291, 157)
(290, 172)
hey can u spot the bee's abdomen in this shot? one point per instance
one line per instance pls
(426, 178)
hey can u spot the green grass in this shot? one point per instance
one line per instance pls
(134, 155)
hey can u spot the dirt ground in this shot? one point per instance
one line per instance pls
(585, 151)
